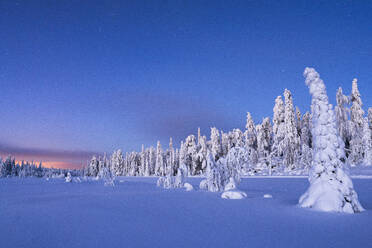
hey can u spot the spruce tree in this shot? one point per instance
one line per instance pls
(357, 121)
(278, 130)
(291, 140)
(330, 188)
(264, 143)
(250, 136)
(342, 118)
(159, 164)
(216, 147)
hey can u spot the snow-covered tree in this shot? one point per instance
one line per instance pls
(226, 143)
(179, 180)
(367, 143)
(237, 138)
(202, 154)
(117, 162)
(357, 122)
(237, 161)
(291, 139)
(264, 143)
(191, 155)
(298, 122)
(342, 117)
(306, 130)
(68, 178)
(330, 188)
(159, 165)
(93, 167)
(216, 147)
(306, 143)
(107, 176)
(199, 136)
(250, 136)
(213, 181)
(370, 118)
(278, 129)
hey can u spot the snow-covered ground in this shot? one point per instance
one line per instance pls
(135, 213)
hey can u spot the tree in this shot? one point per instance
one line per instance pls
(298, 122)
(342, 118)
(216, 147)
(278, 129)
(213, 181)
(93, 167)
(250, 136)
(159, 164)
(306, 142)
(202, 154)
(291, 139)
(367, 144)
(264, 143)
(107, 176)
(330, 187)
(357, 122)
(117, 162)
(180, 177)
(237, 161)
(306, 130)
(370, 119)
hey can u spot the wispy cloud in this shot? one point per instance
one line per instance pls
(50, 157)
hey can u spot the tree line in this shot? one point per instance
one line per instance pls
(283, 145)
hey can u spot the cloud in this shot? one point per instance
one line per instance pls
(50, 157)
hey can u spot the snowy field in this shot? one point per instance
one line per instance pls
(135, 213)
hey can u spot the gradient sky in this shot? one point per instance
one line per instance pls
(82, 77)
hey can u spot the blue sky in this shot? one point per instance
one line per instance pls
(81, 77)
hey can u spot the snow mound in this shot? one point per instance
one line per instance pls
(323, 195)
(235, 195)
(267, 196)
(188, 187)
(68, 178)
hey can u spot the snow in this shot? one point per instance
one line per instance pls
(233, 194)
(188, 187)
(39, 213)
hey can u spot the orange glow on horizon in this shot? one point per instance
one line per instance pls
(53, 164)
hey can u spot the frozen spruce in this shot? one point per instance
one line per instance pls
(330, 189)
(213, 181)
(68, 178)
(357, 121)
(179, 181)
(367, 143)
(107, 176)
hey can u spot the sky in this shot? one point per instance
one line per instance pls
(79, 78)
